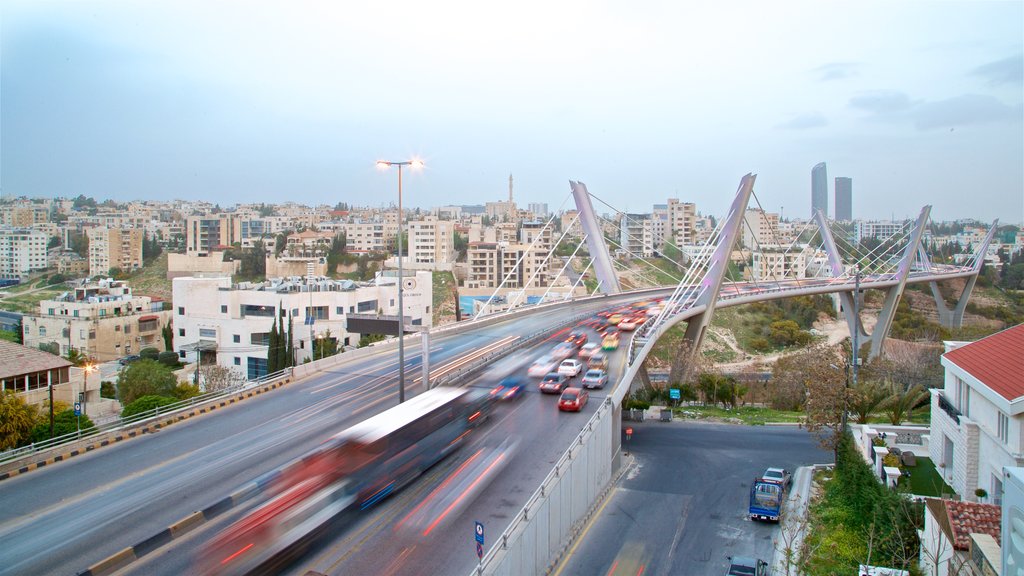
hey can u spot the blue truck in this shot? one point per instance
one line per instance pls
(766, 500)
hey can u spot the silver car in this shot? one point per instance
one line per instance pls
(595, 379)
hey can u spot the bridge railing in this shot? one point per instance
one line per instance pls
(136, 419)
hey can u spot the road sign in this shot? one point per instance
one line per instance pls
(673, 393)
(479, 550)
(629, 433)
(480, 533)
(78, 408)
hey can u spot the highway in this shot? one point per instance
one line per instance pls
(65, 517)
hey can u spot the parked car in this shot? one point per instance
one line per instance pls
(745, 566)
(594, 378)
(589, 348)
(571, 367)
(129, 359)
(778, 476)
(553, 383)
(543, 365)
(508, 389)
(577, 338)
(573, 400)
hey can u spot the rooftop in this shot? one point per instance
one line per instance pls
(966, 518)
(996, 361)
(20, 360)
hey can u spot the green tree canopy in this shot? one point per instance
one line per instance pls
(64, 422)
(145, 404)
(143, 378)
(16, 420)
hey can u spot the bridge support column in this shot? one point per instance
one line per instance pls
(607, 282)
(955, 318)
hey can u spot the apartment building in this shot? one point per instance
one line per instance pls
(682, 220)
(653, 235)
(114, 248)
(875, 229)
(232, 322)
(774, 262)
(212, 232)
(102, 319)
(760, 229)
(23, 215)
(21, 251)
(432, 241)
(977, 418)
(523, 264)
(631, 234)
(370, 236)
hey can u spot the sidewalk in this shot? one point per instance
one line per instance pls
(793, 526)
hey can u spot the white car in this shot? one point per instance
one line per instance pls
(595, 379)
(589, 348)
(571, 367)
(543, 366)
(563, 350)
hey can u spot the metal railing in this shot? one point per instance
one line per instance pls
(141, 417)
(949, 409)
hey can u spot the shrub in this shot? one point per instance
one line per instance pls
(107, 390)
(186, 390)
(150, 353)
(169, 359)
(145, 404)
(64, 422)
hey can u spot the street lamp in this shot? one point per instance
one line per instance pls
(384, 165)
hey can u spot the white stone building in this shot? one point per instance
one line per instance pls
(21, 251)
(432, 241)
(760, 229)
(233, 322)
(780, 263)
(977, 419)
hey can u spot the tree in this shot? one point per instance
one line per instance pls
(899, 406)
(168, 335)
(217, 378)
(144, 378)
(787, 333)
(289, 346)
(64, 422)
(79, 358)
(273, 343)
(867, 397)
(816, 370)
(146, 404)
(325, 345)
(16, 420)
(169, 359)
(149, 353)
(79, 243)
(253, 263)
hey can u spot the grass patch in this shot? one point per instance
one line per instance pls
(443, 297)
(751, 415)
(924, 480)
(29, 303)
(151, 280)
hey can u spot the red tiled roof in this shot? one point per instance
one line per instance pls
(966, 518)
(996, 361)
(19, 360)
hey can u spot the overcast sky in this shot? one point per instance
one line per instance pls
(919, 102)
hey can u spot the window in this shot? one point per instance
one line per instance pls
(367, 306)
(257, 310)
(181, 310)
(339, 310)
(318, 312)
(210, 333)
(259, 339)
(75, 313)
(238, 361)
(997, 490)
(237, 339)
(1004, 427)
(42, 331)
(50, 311)
(223, 308)
(257, 367)
(181, 332)
(117, 328)
(295, 312)
(103, 312)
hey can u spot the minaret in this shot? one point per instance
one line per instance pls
(511, 206)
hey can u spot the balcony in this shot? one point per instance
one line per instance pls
(949, 409)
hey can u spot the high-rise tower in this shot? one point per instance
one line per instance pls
(819, 189)
(844, 198)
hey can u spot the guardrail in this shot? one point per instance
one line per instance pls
(136, 419)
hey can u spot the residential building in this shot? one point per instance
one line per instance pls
(23, 214)
(880, 229)
(432, 241)
(31, 372)
(232, 322)
(114, 248)
(773, 262)
(760, 229)
(570, 221)
(102, 319)
(511, 265)
(844, 199)
(819, 189)
(961, 538)
(1012, 525)
(653, 236)
(21, 251)
(205, 234)
(631, 234)
(370, 236)
(977, 418)
(538, 209)
(67, 263)
(682, 221)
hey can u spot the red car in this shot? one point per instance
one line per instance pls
(573, 399)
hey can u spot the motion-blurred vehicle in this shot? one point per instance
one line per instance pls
(577, 338)
(614, 319)
(563, 350)
(573, 400)
(599, 361)
(543, 365)
(610, 341)
(588, 349)
(778, 476)
(354, 470)
(570, 368)
(508, 389)
(553, 383)
(745, 566)
(627, 324)
(594, 378)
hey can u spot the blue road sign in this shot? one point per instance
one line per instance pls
(78, 408)
(479, 534)
(673, 393)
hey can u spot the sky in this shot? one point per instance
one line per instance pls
(919, 102)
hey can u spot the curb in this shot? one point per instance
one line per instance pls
(151, 427)
(119, 560)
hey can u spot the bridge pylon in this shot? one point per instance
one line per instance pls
(607, 281)
(954, 318)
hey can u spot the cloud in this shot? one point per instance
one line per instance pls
(804, 122)
(963, 110)
(883, 102)
(836, 71)
(1006, 71)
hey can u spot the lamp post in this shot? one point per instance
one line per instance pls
(384, 165)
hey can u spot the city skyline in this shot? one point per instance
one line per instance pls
(108, 100)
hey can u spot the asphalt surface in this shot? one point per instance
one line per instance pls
(65, 517)
(680, 506)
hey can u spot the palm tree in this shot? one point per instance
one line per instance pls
(902, 402)
(866, 398)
